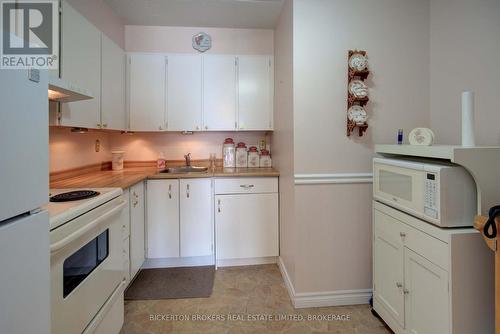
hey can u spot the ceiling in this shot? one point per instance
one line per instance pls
(246, 14)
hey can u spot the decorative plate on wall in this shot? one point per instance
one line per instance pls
(421, 136)
(358, 88)
(358, 62)
(202, 42)
(357, 115)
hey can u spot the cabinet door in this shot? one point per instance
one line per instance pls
(184, 92)
(146, 92)
(80, 65)
(427, 296)
(137, 228)
(219, 92)
(246, 226)
(163, 218)
(196, 217)
(255, 93)
(388, 257)
(113, 115)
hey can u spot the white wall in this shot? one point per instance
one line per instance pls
(334, 221)
(179, 40)
(283, 134)
(465, 47)
(395, 33)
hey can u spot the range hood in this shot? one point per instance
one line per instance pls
(62, 91)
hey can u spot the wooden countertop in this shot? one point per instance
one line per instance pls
(130, 176)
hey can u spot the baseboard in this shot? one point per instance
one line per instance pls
(246, 262)
(323, 298)
(179, 262)
(288, 281)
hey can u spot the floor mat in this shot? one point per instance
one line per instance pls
(172, 283)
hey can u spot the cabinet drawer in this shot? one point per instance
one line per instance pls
(420, 242)
(246, 185)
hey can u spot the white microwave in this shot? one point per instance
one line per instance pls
(439, 193)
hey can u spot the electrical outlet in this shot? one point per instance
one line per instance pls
(97, 145)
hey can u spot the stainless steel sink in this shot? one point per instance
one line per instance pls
(185, 169)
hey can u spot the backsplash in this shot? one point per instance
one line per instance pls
(70, 150)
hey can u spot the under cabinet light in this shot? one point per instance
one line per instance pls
(79, 130)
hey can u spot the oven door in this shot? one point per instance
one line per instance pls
(86, 266)
(399, 184)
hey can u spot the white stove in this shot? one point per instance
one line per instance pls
(62, 212)
(87, 263)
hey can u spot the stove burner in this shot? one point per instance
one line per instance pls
(74, 196)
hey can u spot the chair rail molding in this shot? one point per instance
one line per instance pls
(336, 178)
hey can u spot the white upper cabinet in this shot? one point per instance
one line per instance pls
(80, 65)
(184, 92)
(146, 92)
(219, 92)
(113, 114)
(191, 92)
(255, 93)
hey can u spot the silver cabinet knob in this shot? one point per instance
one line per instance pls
(399, 284)
(160, 127)
(206, 127)
(105, 125)
(197, 127)
(402, 234)
(406, 291)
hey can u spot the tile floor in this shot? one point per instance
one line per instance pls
(239, 294)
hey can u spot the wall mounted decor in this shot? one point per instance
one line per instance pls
(202, 42)
(357, 91)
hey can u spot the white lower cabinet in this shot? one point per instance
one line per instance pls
(425, 278)
(427, 303)
(137, 228)
(246, 219)
(196, 228)
(179, 221)
(163, 218)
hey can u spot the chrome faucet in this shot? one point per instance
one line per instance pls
(188, 159)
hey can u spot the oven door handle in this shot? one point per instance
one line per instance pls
(77, 234)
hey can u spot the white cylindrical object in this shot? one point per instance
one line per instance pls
(468, 119)
(117, 162)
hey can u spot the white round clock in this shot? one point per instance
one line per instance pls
(358, 62)
(357, 115)
(357, 88)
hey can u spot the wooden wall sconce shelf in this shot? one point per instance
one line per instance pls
(357, 69)
(351, 126)
(352, 100)
(361, 75)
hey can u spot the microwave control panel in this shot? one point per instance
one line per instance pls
(431, 196)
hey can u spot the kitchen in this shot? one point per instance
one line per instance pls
(169, 84)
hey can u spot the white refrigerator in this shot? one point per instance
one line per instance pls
(24, 187)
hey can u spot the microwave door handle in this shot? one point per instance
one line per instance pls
(77, 234)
